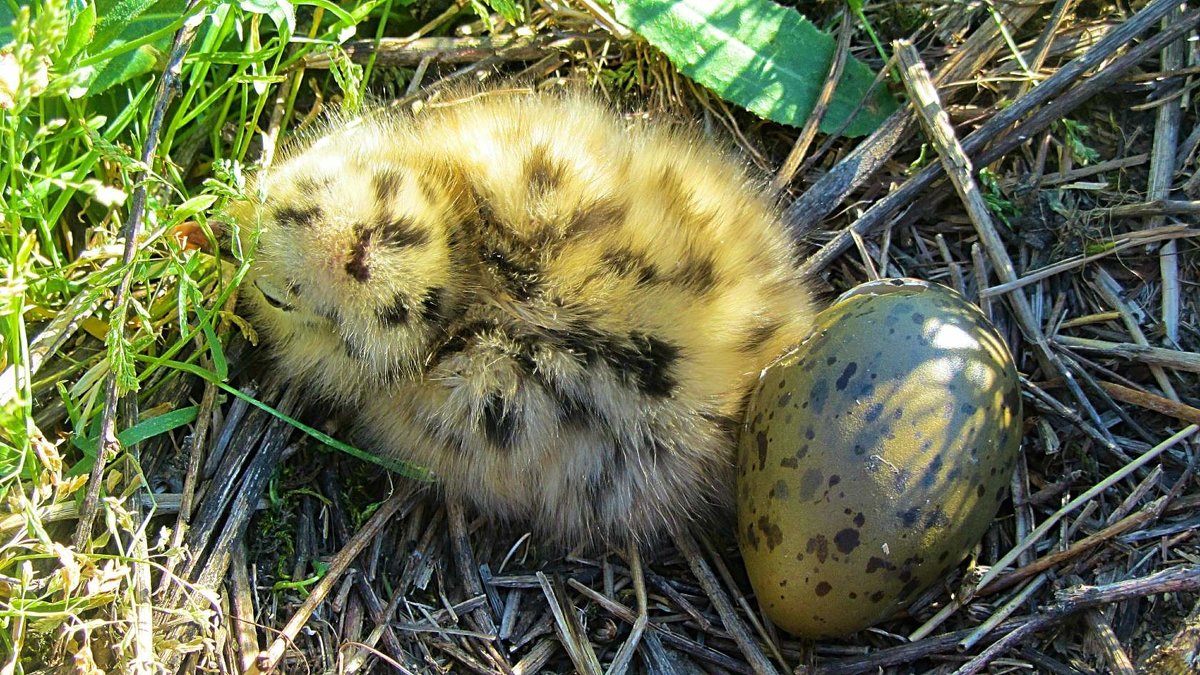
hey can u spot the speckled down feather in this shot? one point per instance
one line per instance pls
(558, 310)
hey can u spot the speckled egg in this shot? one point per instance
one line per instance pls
(874, 456)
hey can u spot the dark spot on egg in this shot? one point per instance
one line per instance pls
(751, 536)
(760, 440)
(929, 479)
(936, 519)
(822, 589)
(847, 540)
(874, 410)
(818, 546)
(874, 564)
(847, 373)
(811, 482)
(909, 588)
(779, 490)
(771, 531)
(818, 395)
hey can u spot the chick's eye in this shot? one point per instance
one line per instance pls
(274, 296)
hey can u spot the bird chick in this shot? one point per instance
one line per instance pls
(557, 310)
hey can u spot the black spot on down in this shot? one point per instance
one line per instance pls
(499, 423)
(395, 313)
(297, 216)
(652, 359)
(542, 172)
(387, 184)
(400, 232)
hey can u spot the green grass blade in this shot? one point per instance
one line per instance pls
(142, 431)
(406, 469)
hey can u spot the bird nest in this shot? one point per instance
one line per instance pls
(1073, 235)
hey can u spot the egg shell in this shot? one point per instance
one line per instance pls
(874, 456)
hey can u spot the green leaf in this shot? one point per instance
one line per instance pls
(117, 17)
(120, 357)
(130, 40)
(127, 66)
(144, 430)
(191, 207)
(82, 31)
(759, 55)
(6, 21)
(511, 11)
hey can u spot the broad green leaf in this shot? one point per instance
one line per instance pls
(759, 55)
(131, 39)
(191, 207)
(127, 66)
(6, 20)
(82, 32)
(116, 17)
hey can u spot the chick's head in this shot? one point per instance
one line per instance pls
(350, 268)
